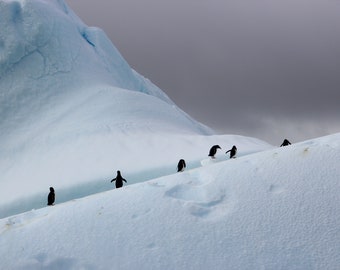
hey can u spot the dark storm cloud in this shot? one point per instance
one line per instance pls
(261, 68)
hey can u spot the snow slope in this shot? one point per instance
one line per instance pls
(276, 209)
(81, 168)
(64, 88)
(73, 112)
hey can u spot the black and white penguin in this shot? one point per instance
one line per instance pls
(232, 151)
(119, 180)
(213, 151)
(181, 165)
(51, 197)
(285, 143)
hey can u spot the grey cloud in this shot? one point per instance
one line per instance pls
(259, 68)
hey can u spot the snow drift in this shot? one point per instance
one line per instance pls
(277, 209)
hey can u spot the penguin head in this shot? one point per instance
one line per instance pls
(51, 189)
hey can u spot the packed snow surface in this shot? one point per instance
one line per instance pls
(275, 209)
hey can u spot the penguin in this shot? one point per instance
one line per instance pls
(213, 151)
(232, 151)
(285, 143)
(51, 197)
(181, 165)
(119, 180)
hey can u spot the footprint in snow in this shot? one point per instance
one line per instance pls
(275, 189)
(156, 184)
(23, 219)
(197, 179)
(202, 200)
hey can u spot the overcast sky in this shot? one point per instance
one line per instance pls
(261, 68)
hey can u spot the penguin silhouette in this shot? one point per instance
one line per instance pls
(232, 151)
(213, 151)
(119, 180)
(285, 143)
(51, 197)
(181, 165)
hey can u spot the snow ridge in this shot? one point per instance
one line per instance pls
(273, 209)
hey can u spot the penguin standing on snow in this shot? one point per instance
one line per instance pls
(119, 180)
(232, 151)
(285, 143)
(213, 151)
(51, 197)
(181, 165)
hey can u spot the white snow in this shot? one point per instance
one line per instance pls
(277, 209)
(72, 113)
(70, 105)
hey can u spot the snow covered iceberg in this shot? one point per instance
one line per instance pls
(72, 111)
(52, 66)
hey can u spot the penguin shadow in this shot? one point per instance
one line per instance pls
(200, 197)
